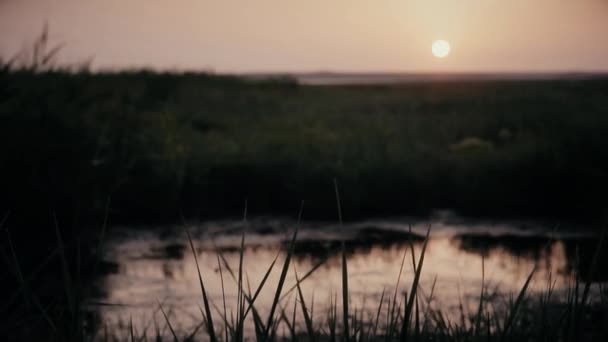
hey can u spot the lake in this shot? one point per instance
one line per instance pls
(156, 264)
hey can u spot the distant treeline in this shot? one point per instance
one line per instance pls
(153, 147)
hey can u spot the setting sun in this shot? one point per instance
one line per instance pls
(440, 48)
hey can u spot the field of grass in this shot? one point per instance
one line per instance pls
(158, 146)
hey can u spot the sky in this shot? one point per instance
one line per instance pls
(317, 35)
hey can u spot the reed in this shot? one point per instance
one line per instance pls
(410, 317)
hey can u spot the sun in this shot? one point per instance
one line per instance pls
(440, 48)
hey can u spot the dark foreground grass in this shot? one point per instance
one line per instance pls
(407, 316)
(525, 317)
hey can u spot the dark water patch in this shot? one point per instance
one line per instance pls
(378, 235)
(236, 249)
(316, 249)
(580, 251)
(106, 267)
(517, 245)
(266, 230)
(361, 244)
(174, 251)
(171, 251)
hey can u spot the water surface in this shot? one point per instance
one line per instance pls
(157, 265)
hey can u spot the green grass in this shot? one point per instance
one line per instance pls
(158, 144)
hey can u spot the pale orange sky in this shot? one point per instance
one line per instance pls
(315, 35)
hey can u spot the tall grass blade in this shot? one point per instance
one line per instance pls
(283, 276)
(399, 276)
(374, 330)
(290, 324)
(344, 270)
(175, 339)
(227, 325)
(240, 291)
(332, 317)
(258, 324)
(481, 298)
(515, 307)
(428, 304)
(219, 265)
(307, 317)
(210, 328)
(312, 306)
(417, 321)
(294, 315)
(410, 302)
(248, 297)
(306, 275)
(198, 327)
(131, 329)
(251, 299)
(345, 293)
(592, 269)
(578, 315)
